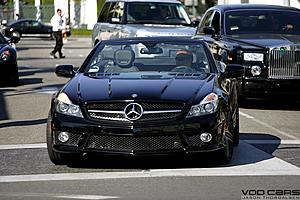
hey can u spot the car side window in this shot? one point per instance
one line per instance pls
(104, 13)
(116, 12)
(206, 21)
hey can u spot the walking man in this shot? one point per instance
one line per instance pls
(58, 24)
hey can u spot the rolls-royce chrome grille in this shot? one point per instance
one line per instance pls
(131, 111)
(284, 64)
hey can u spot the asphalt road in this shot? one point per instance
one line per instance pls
(266, 162)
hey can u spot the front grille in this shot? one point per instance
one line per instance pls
(284, 64)
(129, 143)
(145, 105)
(152, 111)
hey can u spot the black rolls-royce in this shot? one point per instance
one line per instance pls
(264, 39)
(137, 96)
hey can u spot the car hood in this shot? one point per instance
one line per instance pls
(147, 30)
(108, 88)
(265, 41)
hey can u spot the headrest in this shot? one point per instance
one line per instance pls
(124, 57)
(184, 55)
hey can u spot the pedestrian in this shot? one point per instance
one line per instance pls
(58, 23)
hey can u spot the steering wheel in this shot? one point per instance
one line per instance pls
(183, 69)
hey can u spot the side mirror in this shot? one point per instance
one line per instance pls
(195, 23)
(234, 71)
(66, 71)
(209, 30)
(14, 39)
(4, 22)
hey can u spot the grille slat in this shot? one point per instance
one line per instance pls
(284, 64)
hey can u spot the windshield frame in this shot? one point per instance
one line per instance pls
(2, 39)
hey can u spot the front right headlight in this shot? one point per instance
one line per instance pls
(65, 106)
(207, 106)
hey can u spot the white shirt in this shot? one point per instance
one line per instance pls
(58, 23)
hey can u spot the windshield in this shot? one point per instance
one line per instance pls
(262, 21)
(149, 57)
(157, 13)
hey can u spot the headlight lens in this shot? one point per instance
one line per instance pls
(65, 106)
(5, 55)
(254, 57)
(256, 70)
(207, 106)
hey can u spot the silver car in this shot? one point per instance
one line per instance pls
(142, 18)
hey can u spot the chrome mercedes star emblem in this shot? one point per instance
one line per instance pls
(133, 111)
(134, 95)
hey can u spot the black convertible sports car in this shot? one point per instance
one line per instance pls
(138, 96)
(8, 61)
(264, 39)
(30, 27)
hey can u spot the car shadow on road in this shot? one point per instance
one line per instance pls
(244, 154)
(292, 104)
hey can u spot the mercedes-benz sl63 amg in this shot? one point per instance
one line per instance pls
(145, 96)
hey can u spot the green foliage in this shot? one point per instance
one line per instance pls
(99, 5)
(81, 32)
(31, 2)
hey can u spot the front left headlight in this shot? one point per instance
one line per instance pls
(65, 106)
(207, 106)
(5, 55)
(254, 57)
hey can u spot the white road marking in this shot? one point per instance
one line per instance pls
(91, 197)
(246, 115)
(269, 126)
(23, 146)
(287, 142)
(247, 161)
(47, 90)
(59, 196)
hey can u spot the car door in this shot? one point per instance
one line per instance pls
(28, 27)
(212, 19)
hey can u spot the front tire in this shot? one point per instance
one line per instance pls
(225, 154)
(16, 34)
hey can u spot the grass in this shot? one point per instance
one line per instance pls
(81, 32)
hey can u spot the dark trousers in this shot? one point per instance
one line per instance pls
(59, 42)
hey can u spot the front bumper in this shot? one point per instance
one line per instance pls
(147, 139)
(259, 87)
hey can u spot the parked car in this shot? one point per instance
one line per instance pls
(134, 96)
(8, 61)
(142, 18)
(264, 39)
(30, 27)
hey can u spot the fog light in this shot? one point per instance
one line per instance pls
(205, 137)
(255, 70)
(63, 137)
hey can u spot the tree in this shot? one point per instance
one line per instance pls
(3, 2)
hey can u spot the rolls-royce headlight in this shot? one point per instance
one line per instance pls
(207, 106)
(255, 70)
(254, 57)
(65, 106)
